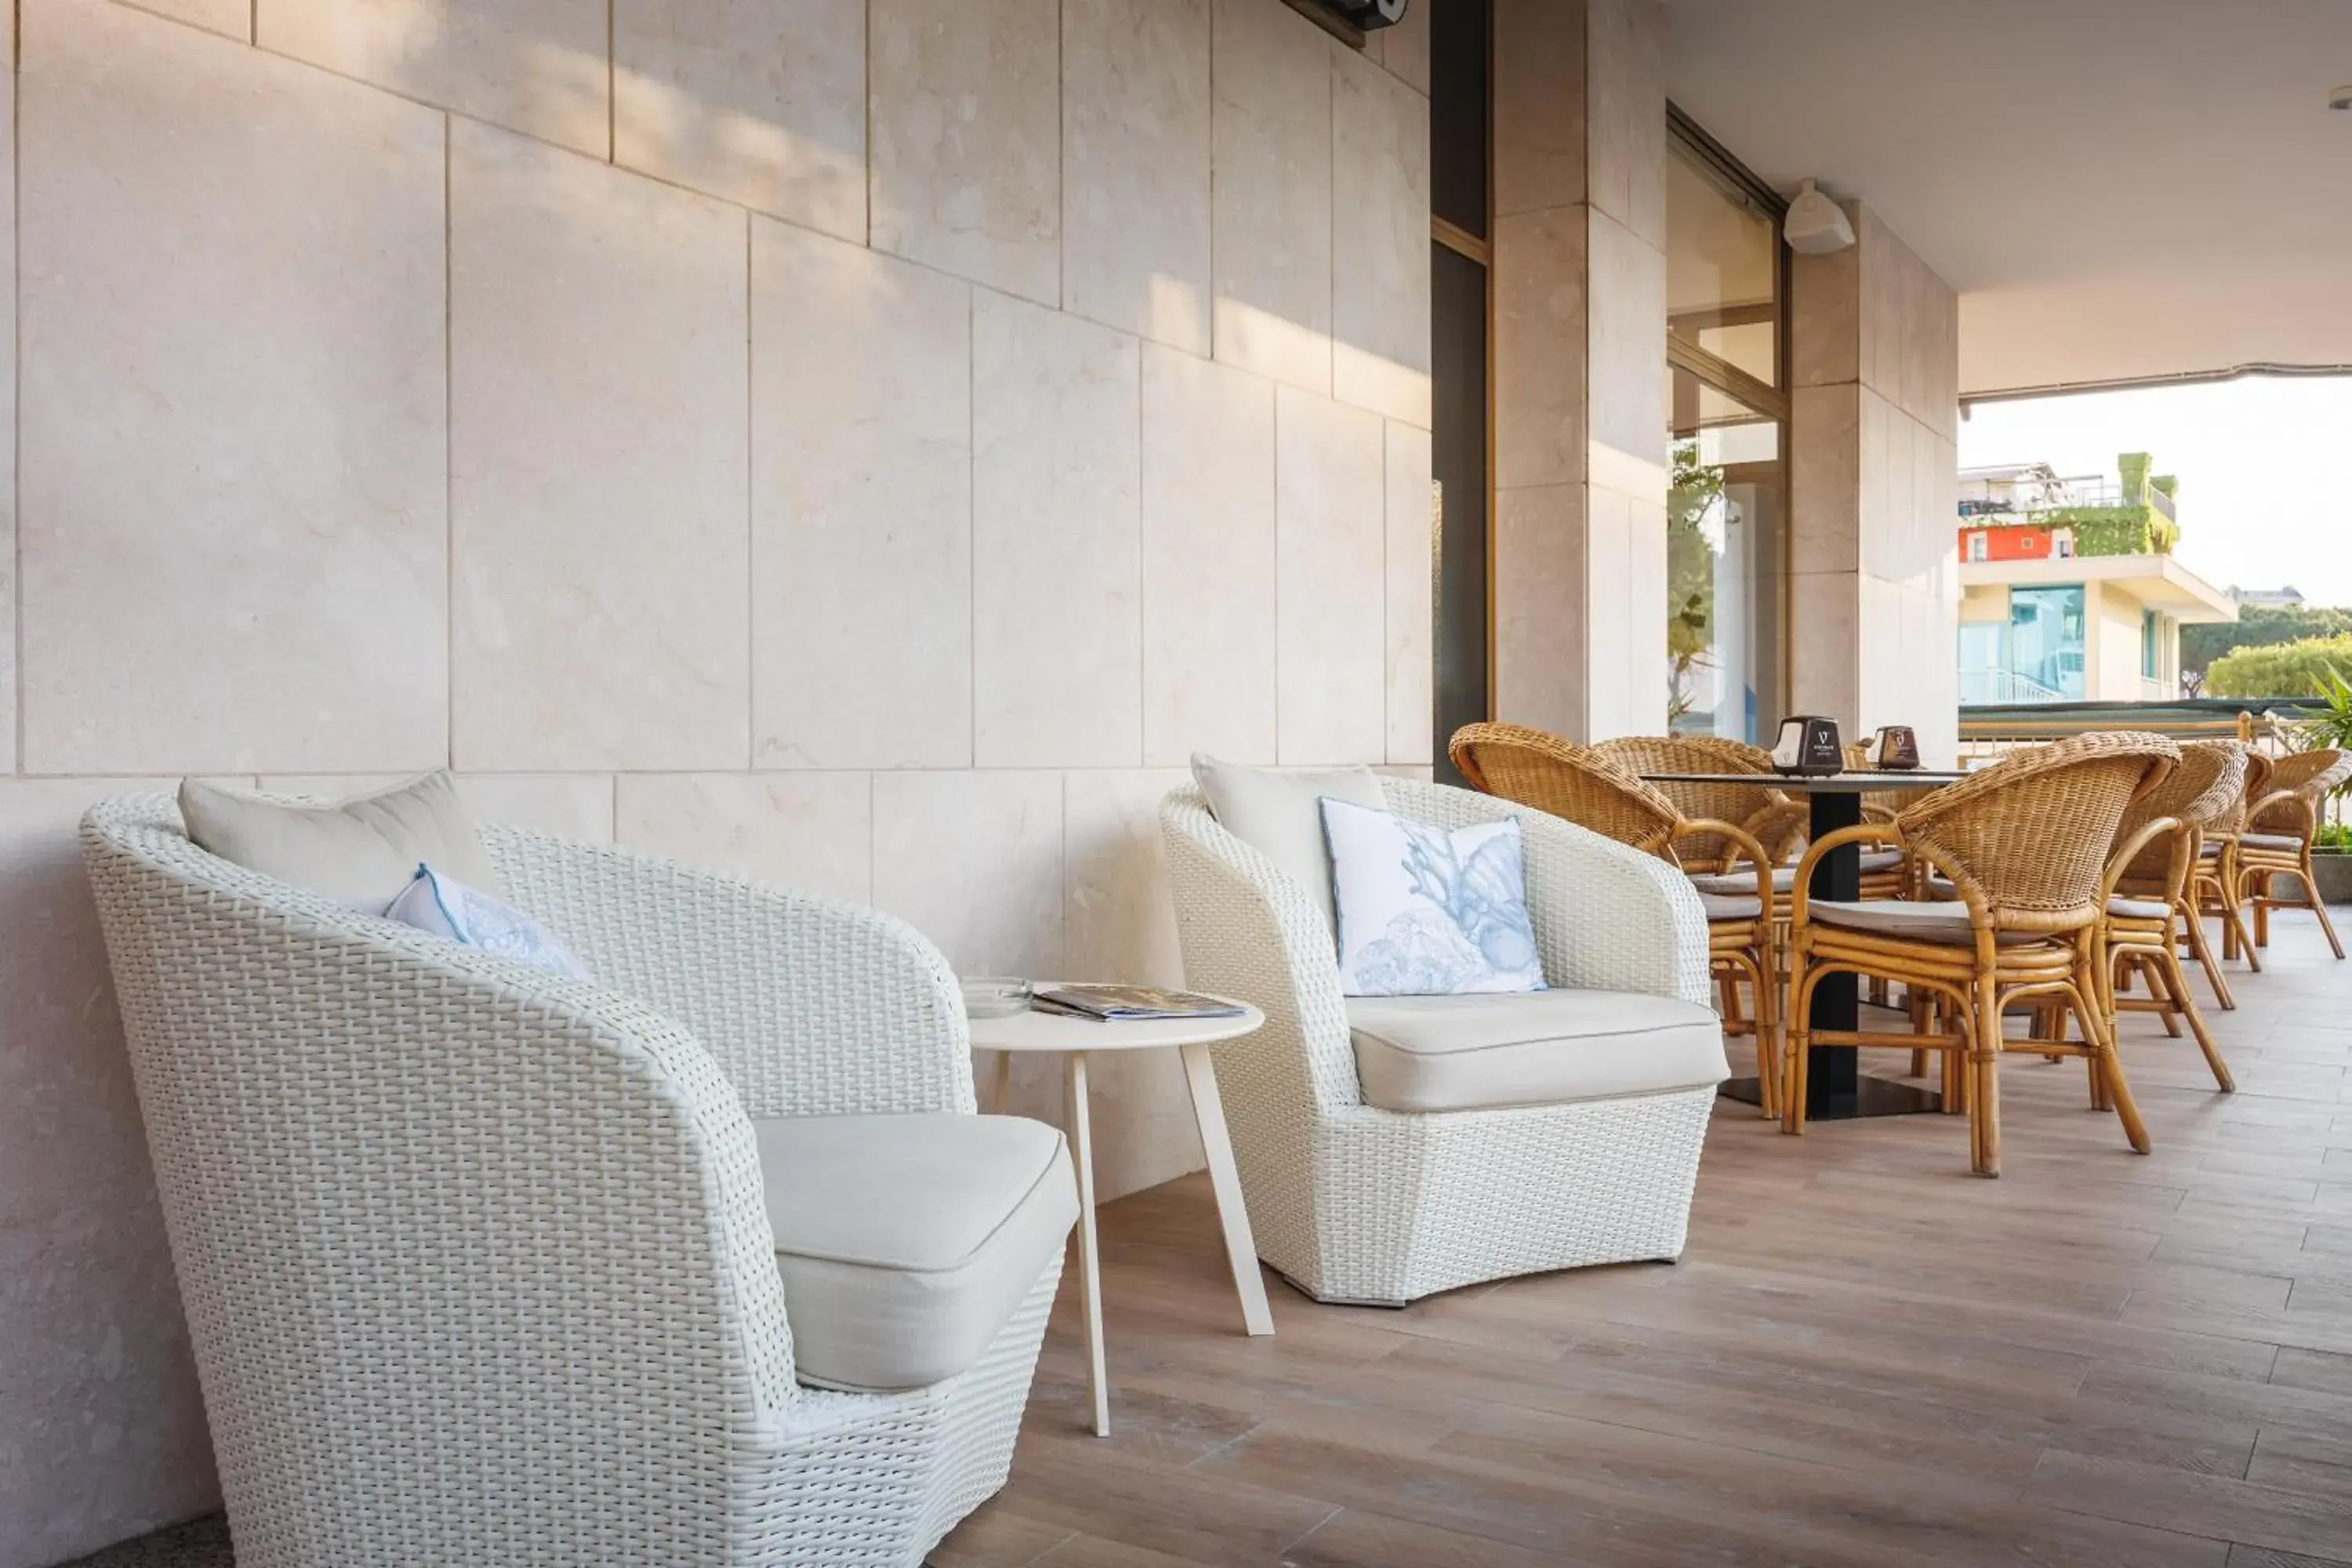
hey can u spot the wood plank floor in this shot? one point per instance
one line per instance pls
(1866, 1359)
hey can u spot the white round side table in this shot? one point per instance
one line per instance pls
(1076, 1040)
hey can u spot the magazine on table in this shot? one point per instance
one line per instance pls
(1126, 1004)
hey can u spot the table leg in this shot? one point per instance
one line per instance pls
(1832, 1072)
(1000, 1084)
(1240, 1247)
(1082, 1136)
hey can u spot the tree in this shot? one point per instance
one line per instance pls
(2305, 668)
(2258, 626)
(1690, 571)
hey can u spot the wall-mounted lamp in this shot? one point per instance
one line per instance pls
(1816, 226)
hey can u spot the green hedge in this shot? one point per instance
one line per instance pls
(2116, 530)
(2283, 670)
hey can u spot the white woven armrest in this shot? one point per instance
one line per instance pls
(1607, 916)
(811, 1006)
(1250, 932)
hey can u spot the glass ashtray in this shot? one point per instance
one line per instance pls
(994, 996)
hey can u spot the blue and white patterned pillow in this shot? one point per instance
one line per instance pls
(1425, 913)
(445, 907)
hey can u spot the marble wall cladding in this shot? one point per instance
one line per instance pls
(965, 128)
(1825, 317)
(1540, 328)
(1873, 488)
(807, 830)
(974, 862)
(1825, 645)
(1273, 200)
(1135, 167)
(1208, 556)
(597, 465)
(1625, 79)
(577, 807)
(510, 384)
(1056, 539)
(759, 101)
(1538, 105)
(541, 66)
(1625, 391)
(1539, 588)
(102, 1432)
(1380, 276)
(1330, 636)
(1403, 49)
(861, 507)
(1607, 615)
(231, 18)
(204, 517)
(1827, 440)
(8, 411)
(1412, 573)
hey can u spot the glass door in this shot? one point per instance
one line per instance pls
(1728, 498)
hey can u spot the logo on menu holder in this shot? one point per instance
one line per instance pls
(1809, 746)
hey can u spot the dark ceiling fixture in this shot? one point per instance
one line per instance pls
(1349, 20)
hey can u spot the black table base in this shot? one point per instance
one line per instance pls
(1869, 1097)
(1835, 1089)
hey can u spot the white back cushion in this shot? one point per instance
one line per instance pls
(1280, 814)
(361, 852)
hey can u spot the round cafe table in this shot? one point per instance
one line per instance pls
(1074, 1039)
(1835, 1089)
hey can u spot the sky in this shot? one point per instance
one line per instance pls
(2261, 503)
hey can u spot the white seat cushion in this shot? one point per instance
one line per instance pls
(907, 1242)
(1784, 877)
(1539, 1047)
(1729, 906)
(2125, 908)
(2282, 843)
(1945, 922)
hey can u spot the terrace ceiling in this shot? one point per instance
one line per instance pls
(2121, 190)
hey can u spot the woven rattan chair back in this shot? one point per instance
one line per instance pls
(2233, 820)
(1776, 820)
(2310, 777)
(1576, 783)
(1877, 804)
(2027, 839)
(2210, 783)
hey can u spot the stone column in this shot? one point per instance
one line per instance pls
(1874, 595)
(1580, 416)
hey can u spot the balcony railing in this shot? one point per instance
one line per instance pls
(2003, 688)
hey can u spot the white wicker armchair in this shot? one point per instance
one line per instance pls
(475, 1258)
(1356, 1203)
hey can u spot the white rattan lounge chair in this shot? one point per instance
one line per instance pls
(477, 1261)
(1604, 1082)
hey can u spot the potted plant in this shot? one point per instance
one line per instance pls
(2331, 847)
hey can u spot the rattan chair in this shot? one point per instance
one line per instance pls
(2216, 886)
(2148, 907)
(2276, 845)
(1583, 785)
(476, 1261)
(1768, 814)
(2025, 845)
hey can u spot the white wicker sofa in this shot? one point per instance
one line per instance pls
(476, 1259)
(1355, 1203)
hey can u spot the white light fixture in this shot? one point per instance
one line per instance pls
(1816, 226)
